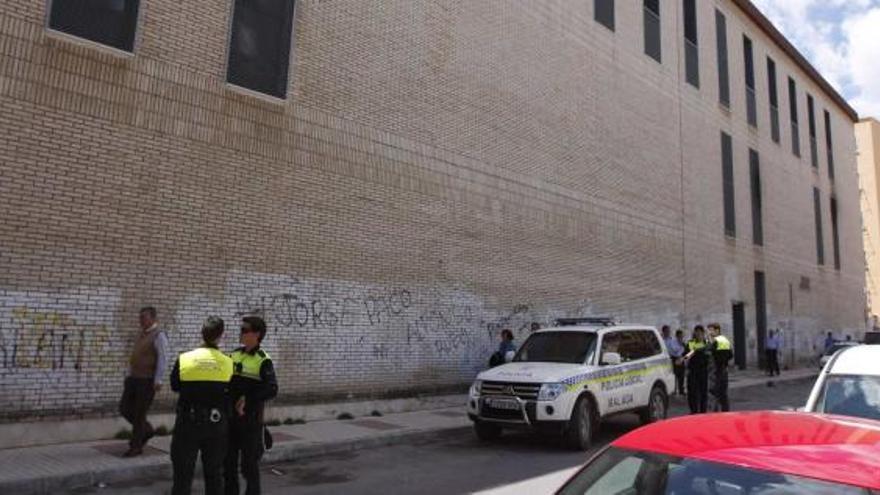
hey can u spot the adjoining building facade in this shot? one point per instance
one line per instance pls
(868, 142)
(392, 182)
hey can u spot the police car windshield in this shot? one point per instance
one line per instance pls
(850, 395)
(557, 347)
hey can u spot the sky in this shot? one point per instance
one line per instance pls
(841, 38)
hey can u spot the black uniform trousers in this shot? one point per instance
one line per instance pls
(698, 388)
(195, 433)
(773, 361)
(722, 400)
(679, 370)
(245, 451)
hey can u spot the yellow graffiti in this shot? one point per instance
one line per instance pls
(56, 341)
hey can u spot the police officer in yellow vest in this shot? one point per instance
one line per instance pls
(202, 377)
(252, 385)
(722, 352)
(697, 360)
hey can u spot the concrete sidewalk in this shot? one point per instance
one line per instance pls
(50, 469)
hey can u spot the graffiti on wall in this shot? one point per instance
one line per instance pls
(56, 332)
(49, 340)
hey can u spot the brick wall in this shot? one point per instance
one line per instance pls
(440, 171)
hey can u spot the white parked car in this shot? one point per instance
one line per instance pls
(849, 384)
(833, 350)
(567, 379)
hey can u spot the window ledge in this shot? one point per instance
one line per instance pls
(255, 94)
(89, 44)
(725, 109)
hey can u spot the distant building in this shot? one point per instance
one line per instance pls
(868, 142)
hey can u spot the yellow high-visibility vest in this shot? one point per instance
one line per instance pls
(248, 365)
(205, 364)
(721, 343)
(695, 345)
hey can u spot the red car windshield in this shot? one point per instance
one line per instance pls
(624, 472)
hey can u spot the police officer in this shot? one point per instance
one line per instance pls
(201, 376)
(252, 385)
(720, 348)
(697, 360)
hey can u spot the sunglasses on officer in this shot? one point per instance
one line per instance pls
(247, 329)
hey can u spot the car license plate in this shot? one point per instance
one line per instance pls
(508, 404)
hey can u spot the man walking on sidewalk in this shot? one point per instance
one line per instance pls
(146, 368)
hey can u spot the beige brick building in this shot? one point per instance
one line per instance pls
(432, 172)
(868, 142)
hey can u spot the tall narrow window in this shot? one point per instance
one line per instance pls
(817, 209)
(728, 191)
(774, 100)
(603, 12)
(792, 105)
(652, 29)
(108, 22)
(829, 146)
(749, 63)
(691, 52)
(834, 234)
(811, 122)
(723, 77)
(757, 216)
(259, 52)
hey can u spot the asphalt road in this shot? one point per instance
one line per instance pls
(518, 463)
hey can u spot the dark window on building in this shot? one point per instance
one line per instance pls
(792, 105)
(603, 12)
(811, 122)
(259, 52)
(834, 234)
(749, 63)
(723, 77)
(757, 216)
(109, 22)
(728, 185)
(829, 146)
(652, 29)
(817, 208)
(691, 53)
(774, 100)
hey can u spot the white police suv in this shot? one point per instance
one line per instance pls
(568, 378)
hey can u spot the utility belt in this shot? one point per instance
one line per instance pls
(201, 414)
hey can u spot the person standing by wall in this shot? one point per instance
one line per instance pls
(145, 372)
(676, 352)
(253, 383)
(697, 360)
(722, 353)
(202, 377)
(771, 347)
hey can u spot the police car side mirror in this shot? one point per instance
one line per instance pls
(610, 358)
(508, 357)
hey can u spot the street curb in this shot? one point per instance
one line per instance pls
(161, 468)
(762, 382)
(280, 453)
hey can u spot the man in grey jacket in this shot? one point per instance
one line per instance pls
(145, 372)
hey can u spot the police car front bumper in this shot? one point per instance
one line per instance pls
(514, 412)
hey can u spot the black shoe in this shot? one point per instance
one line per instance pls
(133, 452)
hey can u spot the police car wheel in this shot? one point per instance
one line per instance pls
(579, 435)
(657, 407)
(487, 431)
